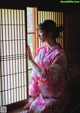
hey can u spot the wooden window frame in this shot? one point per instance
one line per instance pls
(19, 104)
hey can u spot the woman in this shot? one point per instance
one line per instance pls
(48, 87)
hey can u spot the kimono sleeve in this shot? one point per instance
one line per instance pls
(56, 69)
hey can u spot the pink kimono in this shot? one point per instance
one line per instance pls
(48, 86)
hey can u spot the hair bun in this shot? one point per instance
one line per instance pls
(60, 28)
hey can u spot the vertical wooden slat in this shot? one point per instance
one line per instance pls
(0, 60)
(3, 78)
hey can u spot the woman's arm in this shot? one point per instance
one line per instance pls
(36, 66)
(57, 68)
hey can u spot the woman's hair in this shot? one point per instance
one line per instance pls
(50, 25)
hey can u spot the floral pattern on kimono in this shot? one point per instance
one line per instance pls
(49, 83)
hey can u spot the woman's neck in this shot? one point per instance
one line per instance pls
(51, 43)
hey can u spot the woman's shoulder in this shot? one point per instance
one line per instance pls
(60, 52)
(42, 48)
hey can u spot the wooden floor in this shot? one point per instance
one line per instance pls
(19, 110)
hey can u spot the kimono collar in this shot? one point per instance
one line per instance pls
(54, 47)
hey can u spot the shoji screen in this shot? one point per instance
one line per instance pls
(13, 81)
(56, 16)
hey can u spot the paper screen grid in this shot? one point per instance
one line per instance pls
(13, 56)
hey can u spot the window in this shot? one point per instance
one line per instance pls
(13, 79)
(13, 65)
(31, 34)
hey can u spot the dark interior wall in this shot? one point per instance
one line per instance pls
(72, 36)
